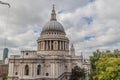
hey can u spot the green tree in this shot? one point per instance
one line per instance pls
(5, 76)
(93, 60)
(78, 73)
(106, 66)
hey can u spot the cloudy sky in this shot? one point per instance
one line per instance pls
(89, 24)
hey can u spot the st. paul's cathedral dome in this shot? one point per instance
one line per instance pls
(53, 24)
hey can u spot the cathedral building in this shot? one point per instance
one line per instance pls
(53, 59)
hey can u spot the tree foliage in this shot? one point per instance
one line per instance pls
(105, 65)
(77, 73)
(4, 76)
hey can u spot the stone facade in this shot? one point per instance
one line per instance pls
(3, 70)
(53, 60)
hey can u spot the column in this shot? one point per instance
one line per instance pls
(50, 45)
(56, 47)
(35, 69)
(22, 70)
(55, 69)
(32, 71)
(60, 45)
(61, 71)
(51, 69)
(39, 45)
(63, 45)
(46, 45)
(11, 68)
(43, 45)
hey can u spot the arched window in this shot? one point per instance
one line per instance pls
(16, 73)
(47, 74)
(26, 70)
(66, 66)
(26, 53)
(38, 69)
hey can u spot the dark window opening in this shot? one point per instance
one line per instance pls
(65, 66)
(48, 45)
(38, 69)
(26, 53)
(16, 73)
(58, 45)
(26, 70)
(47, 74)
(65, 77)
(51, 45)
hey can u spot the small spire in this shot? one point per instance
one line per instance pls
(72, 46)
(53, 14)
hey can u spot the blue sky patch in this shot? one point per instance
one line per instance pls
(36, 30)
(88, 20)
(60, 11)
(88, 37)
(91, 0)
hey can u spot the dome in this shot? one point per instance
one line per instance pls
(53, 26)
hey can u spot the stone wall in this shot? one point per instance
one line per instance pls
(3, 70)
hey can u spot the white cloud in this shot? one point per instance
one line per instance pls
(26, 15)
(105, 25)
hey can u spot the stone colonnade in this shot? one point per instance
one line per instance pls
(53, 45)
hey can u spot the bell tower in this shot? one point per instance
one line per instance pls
(72, 50)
